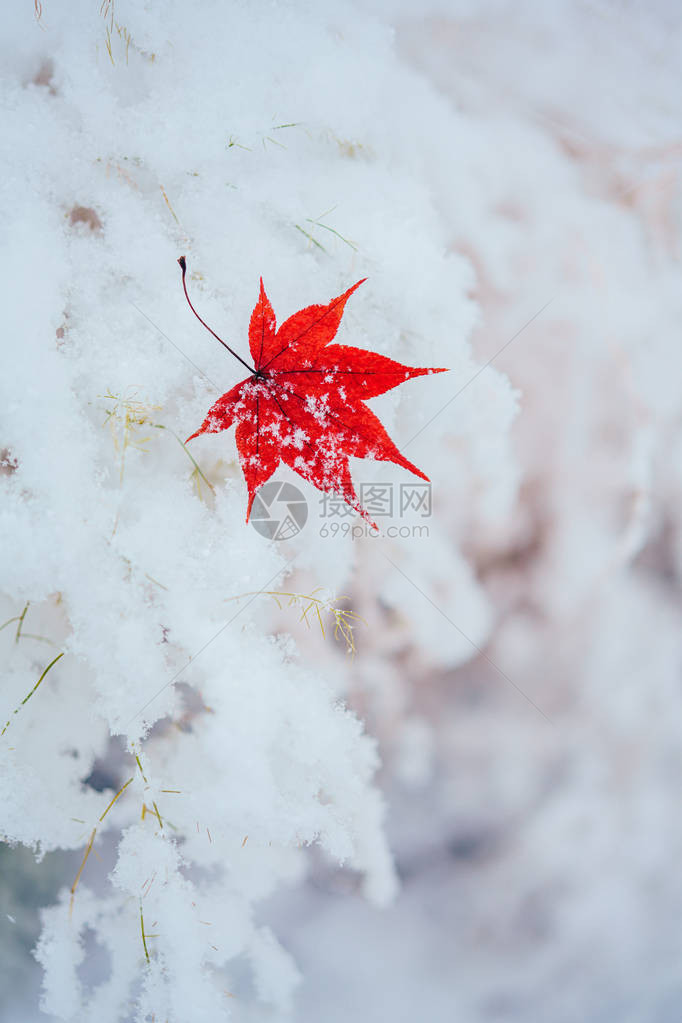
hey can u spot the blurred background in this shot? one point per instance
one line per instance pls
(538, 843)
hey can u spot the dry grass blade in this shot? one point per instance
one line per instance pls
(125, 418)
(29, 695)
(344, 620)
(144, 937)
(88, 850)
(119, 793)
(20, 634)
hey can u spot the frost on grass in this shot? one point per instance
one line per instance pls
(150, 134)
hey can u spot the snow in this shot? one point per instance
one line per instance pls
(478, 811)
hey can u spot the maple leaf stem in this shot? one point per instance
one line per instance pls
(183, 267)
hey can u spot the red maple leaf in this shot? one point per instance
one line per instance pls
(304, 401)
